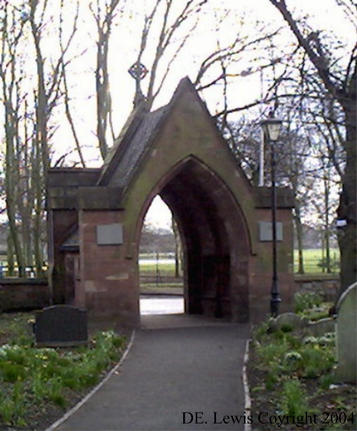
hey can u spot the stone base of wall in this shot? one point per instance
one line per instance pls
(30, 294)
(326, 285)
(23, 294)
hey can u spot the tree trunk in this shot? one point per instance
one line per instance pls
(11, 182)
(177, 248)
(347, 236)
(299, 237)
(323, 266)
(10, 256)
(38, 211)
(327, 227)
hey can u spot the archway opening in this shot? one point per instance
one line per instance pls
(160, 262)
(215, 241)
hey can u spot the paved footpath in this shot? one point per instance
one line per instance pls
(166, 373)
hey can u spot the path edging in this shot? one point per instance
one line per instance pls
(94, 390)
(247, 399)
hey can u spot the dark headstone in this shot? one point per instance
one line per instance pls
(61, 325)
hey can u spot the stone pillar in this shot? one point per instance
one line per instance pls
(108, 285)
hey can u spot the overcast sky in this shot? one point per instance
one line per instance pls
(125, 42)
(325, 15)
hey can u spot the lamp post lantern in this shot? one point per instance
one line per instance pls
(271, 128)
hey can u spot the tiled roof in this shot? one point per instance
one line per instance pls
(133, 141)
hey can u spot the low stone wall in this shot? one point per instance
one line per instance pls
(327, 285)
(26, 294)
(23, 294)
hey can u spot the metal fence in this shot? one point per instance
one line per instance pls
(319, 265)
(30, 272)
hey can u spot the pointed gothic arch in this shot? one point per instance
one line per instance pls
(215, 238)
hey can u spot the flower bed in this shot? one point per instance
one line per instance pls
(37, 384)
(292, 382)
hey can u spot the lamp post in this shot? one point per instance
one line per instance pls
(271, 127)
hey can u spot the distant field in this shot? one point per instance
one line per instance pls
(166, 269)
(313, 260)
(312, 263)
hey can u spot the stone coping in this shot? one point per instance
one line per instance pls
(315, 277)
(23, 281)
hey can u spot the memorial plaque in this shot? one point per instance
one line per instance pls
(266, 231)
(110, 234)
(60, 326)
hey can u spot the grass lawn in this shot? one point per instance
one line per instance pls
(312, 263)
(37, 384)
(313, 260)
(150, 268)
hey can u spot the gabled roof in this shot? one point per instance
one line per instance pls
(139, 131)
(131, 145)
(121, 143)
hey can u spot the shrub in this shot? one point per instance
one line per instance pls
(55, 388)
(293, 360)
(12, 372)
(294, 342)
(271, 380)
(316, 361)
(39, 387)
(325, 341)
(13, 407)
(326, 380)
(310, 340)
(293, 399)
(286, 328)
(271, 352)
(306, 300)
(7, 410)
(261, 330)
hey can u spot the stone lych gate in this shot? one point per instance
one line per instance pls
(95, 217)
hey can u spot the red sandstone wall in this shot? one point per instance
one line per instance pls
(108, 278)
(261, 274)
(22, 294)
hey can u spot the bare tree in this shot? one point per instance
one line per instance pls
(178, 248)
(66, 91)
(170, 23)
(10, 36)
(29, 101)
(103, 13)
(340, 84)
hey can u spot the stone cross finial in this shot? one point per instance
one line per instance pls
(138, 71)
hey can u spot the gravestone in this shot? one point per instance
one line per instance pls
(346, 332)
(61, 326)
(292, 320)
(321, 327)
